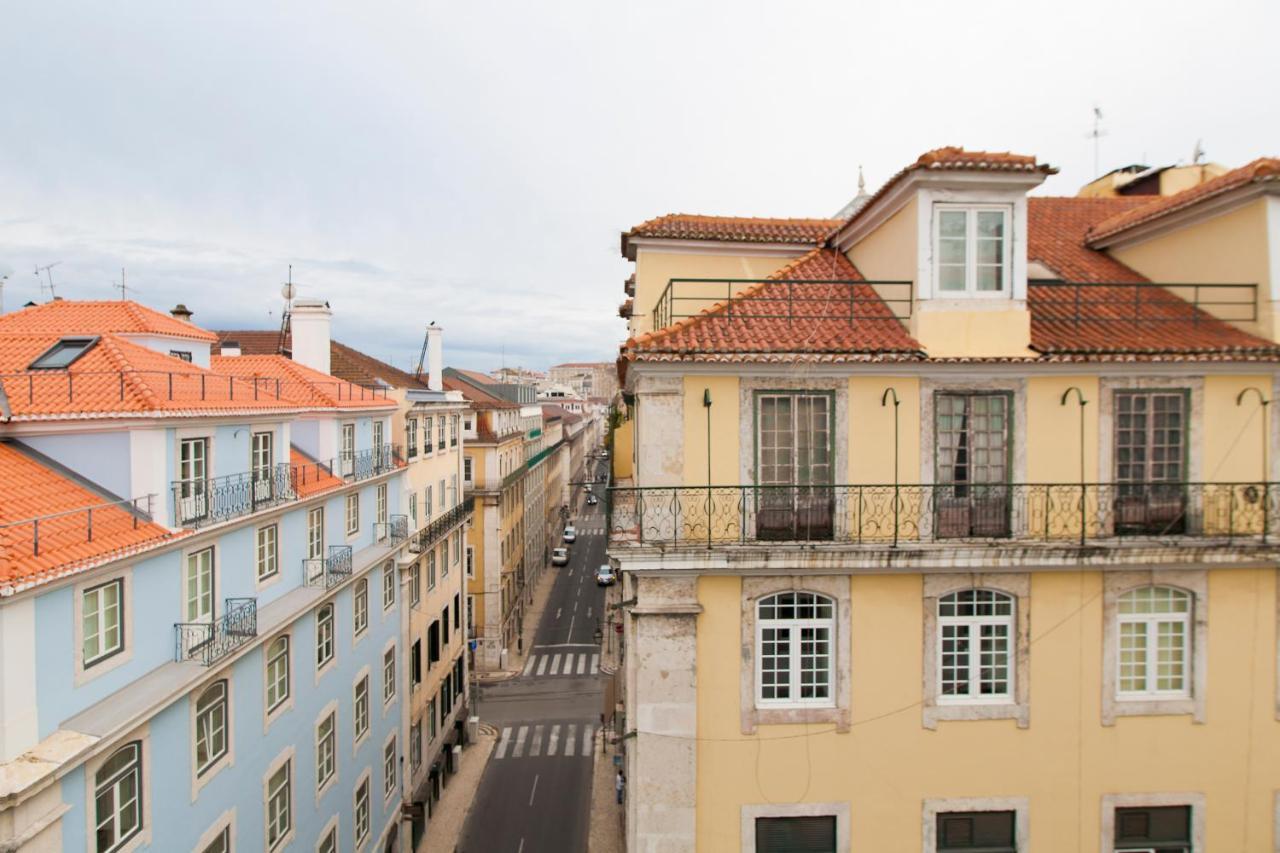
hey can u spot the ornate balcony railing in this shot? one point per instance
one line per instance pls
(429, 535)
(363, 464)
(198, 503)
(908, 515)
(394, 529)
(209, 642)
(328, 571)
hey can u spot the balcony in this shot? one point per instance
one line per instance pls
(328, 571)
(209, 642)
(395, 529)
(432, 533)
(918, 515)
(198, 503)
(364, 464)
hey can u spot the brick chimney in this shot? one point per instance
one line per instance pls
(180, 312)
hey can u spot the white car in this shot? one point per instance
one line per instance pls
(570, 534)
(559, 556)
(605, 575)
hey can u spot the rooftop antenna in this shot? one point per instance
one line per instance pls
(47, 269)
(288, 291)
(1096, 134)
(123, 286)
(3, 279)
(1197, 153)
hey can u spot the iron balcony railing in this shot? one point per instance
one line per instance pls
(788, 299)
(209, 642)
(1141, 302)
(363, 464)
(198, 503)
(328, 571)
(394, 529)
(888, 515)
(429, 535)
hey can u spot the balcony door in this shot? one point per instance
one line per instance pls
(794, 465)
(348, 460)
(1150, 462)
(260, 462)
(972, 437)
(193, 475)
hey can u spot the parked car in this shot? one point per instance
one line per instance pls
(605, 576)
(588, 488)
(570, 533)
(560, 556)
(592, 500)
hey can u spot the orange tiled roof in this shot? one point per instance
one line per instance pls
(1262, 169)
(310, 477)
(301, 382)
(117, 378)
(32, 490)
(253, 341)
(79, 317)
(824, 325)
(733, 229)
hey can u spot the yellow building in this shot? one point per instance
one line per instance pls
(952, 524)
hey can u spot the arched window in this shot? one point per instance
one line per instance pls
(211, 726)
(1153, 652)
(975, 645)
(118, 798)
(794, 650)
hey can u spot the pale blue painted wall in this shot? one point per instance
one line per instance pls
(102, 457)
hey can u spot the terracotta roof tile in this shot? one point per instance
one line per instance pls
(1262, 169)
(354, 366)
(254, 341)
(301, 382)
(78, 317)
(479, 399)
(311, 477)
(821, 324)
(733, 229)
(32, 490)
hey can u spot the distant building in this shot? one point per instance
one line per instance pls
(587, 379)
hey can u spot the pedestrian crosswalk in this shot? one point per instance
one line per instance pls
(595, 530)
(567, 662)
(548, 740)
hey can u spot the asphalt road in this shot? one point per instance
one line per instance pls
(535, 794)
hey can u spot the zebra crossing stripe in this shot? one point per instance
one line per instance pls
(570, 740)
(595, 664)
(535, 748)
(520, 736)
(555, 664)
(554, 740)
(587, 740)
(542, 664)
(503, 742)
(528, 666)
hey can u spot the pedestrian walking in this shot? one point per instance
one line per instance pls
(619, 783)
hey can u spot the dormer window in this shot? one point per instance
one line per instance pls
(63, 353)
(972, 249)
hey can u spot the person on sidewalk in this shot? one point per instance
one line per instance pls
(619, 783)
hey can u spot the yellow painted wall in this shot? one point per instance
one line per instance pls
(887, 764)
(654, 269)
(889, 252)
(624, 450)
(1232, 438)
(1053, 430)
(1226, 249)
(957, 333)
(871, 430)
(724, 431)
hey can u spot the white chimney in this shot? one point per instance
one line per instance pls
(309, 323)
(230, 348)
(435, 357)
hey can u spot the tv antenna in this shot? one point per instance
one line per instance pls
(123, 286)
(3, 279)
(47, 269)
(1197, 153)
(288, 290)
(1096, 134)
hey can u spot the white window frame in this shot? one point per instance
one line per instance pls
(411, 438)
(348, 453)
(431, 569)
(315, 533)
(794, 627)
(206, 586)
(270, 796)
(361, 809)
(99, 610)
(360, 708)
(380, 503)
(1150, 623)
(974, 625)
(428, 445)
(326, 637)
(267, 554)
(202, 730)
(970, 276)
(378, 433)
(388, 586)
(360, 608)
(415, 583)
(137, 768)
(415, 745)
(327, 841)
(261, 463)
(223, 830)
(353, 514)
(389, 775)
(326, 746)
(388, 675)
(272, 678)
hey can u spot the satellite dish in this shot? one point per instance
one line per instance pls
(288, 291)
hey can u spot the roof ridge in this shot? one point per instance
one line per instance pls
(113, 349)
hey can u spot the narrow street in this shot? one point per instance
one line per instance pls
(535, 794)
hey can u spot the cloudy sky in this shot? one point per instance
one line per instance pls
(473, 162)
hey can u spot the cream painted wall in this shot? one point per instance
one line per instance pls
(871, 430)
(1064, 762)
(623, 450)
(1231, 248)
(1232, 435)
(724, 430)
(889, 252)
(655, 268)
(949, 331)
(1053, 429)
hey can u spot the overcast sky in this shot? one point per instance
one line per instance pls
(473, 162)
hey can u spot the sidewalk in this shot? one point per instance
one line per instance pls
(444, 830)
(607, 816)
(532, 617)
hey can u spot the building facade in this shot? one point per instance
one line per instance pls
(954, 527)
(199, 603)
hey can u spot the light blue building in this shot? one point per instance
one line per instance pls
(200, 620)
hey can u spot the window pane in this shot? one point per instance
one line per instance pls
(951, 223)
(1133, 657)
(951, 277)
(796, 834)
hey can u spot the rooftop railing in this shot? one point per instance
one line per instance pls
(911, 515)
(30, 537)
(1143, 302)
(328, 571)
(788, 299)
(209, 642)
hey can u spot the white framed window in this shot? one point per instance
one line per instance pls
(219, 842)
(794, 650)
(388, 586)
(440, 433)
(471, 561)
(199, 586)
(415, 584)
(431, 569)
(380, 503)
(261, 460)
(268, 551)
(278, 672)
(353, 514)
(466, 469)
(101, 617)
(326, 750)
(360, 708)
(193, 474)
(388, 675)
(427, 500)
(427, 445)
(361, 811)
(389, 768)
(411, 437)
(348, 449)
(413, 510)
(279, 805)
(324, 636)
(415, 745)
(431, 721)
(118, 798)
(1153, 652)
(975, 645)
(211, 726)
(378, 439)
(315, 533)
(360, 608)
(971, 250)
(329, 840)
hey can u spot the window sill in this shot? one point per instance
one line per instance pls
(204, 777)
(276, 713)
(775, 716)
(931, 714)
(1154, 707)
